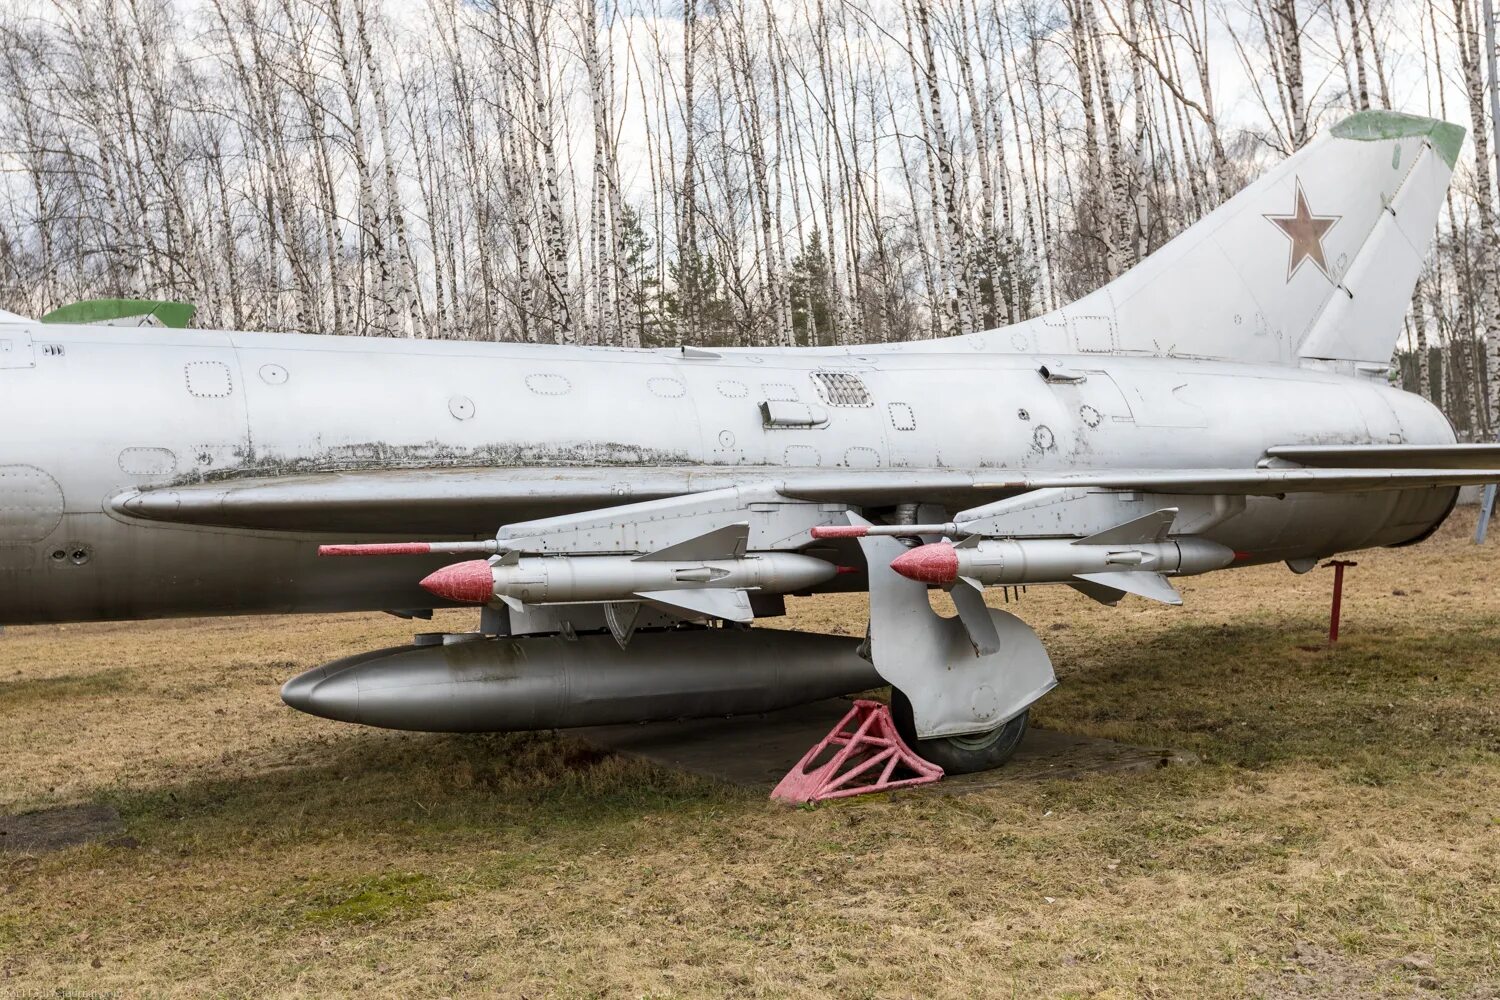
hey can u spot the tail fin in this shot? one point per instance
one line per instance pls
(1316, 259)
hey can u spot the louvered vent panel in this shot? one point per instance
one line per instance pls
(842, 389)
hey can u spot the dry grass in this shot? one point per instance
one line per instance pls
(1342, 838)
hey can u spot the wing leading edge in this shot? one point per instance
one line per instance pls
(474, 501)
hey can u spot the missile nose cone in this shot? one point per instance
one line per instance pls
(935, 563)
(466, 582)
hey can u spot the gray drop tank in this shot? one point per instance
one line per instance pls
(550, 682)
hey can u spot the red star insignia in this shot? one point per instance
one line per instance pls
(1306, 231)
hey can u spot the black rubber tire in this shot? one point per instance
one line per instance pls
(960, 754)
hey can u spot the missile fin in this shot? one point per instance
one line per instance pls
(1152, 527)
(728, 542)
(514, 603)
(1098, 592)
(621, 617)
(975, 615)
(1153, 586)
(711, 602)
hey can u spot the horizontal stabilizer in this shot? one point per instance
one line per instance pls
(1152, 586)
(1390, 456)
(1151, 528)
(727, 542)
(1248, 482)
(704, 602)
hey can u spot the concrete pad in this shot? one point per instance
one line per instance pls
(758, 750)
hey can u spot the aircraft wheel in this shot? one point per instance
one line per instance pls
(960, 754)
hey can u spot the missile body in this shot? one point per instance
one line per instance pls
(1056, 560)
(576, 579)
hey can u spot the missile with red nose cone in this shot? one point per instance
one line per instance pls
(707, 575)
(695, 584)
(1055, 560)
(1132, 558)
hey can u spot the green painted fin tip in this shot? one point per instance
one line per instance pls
(1369, 126)
(171, 314)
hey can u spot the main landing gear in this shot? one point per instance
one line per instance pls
(960, 754)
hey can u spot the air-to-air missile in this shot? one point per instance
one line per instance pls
(577, 579)
(1135, 557)
(1056, 560)
(710, 575)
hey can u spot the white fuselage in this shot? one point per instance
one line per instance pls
(99, 411)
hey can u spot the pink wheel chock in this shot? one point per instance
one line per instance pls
(870, 757)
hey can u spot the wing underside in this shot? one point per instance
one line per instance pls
(475, 501)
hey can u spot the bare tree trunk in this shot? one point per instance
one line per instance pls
(1289, 39)
(1469, 60)
(688, 262)
(376, 261)
(1096, 212)
(957, 263)
(406, 294)
(1419, 320)
(1362, 101)
(1117, 227)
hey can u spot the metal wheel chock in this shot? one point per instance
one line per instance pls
(868, 756)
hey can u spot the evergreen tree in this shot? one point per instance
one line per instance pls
(812, 311)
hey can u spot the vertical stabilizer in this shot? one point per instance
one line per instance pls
(1316, 259)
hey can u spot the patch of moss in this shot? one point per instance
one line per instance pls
(372, 900)
(31, 691)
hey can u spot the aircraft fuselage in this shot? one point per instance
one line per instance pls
(96, 412)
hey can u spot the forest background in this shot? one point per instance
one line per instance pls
(705, 172)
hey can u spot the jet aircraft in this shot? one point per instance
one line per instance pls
(621, 518)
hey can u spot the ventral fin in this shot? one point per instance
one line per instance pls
(621, 617)
(975, 615)
(1153, 527)
(728, 542)
(1152, 586)
(703, 602)
(1098, 592)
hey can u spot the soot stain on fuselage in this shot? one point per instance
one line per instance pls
(382, 456)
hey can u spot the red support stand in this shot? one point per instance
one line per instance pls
(871, 757)
(1338, 596)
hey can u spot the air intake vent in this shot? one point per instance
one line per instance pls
(842, 389)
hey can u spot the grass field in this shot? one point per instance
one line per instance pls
(1341, 838)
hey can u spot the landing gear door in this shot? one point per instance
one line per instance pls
(954, 690)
